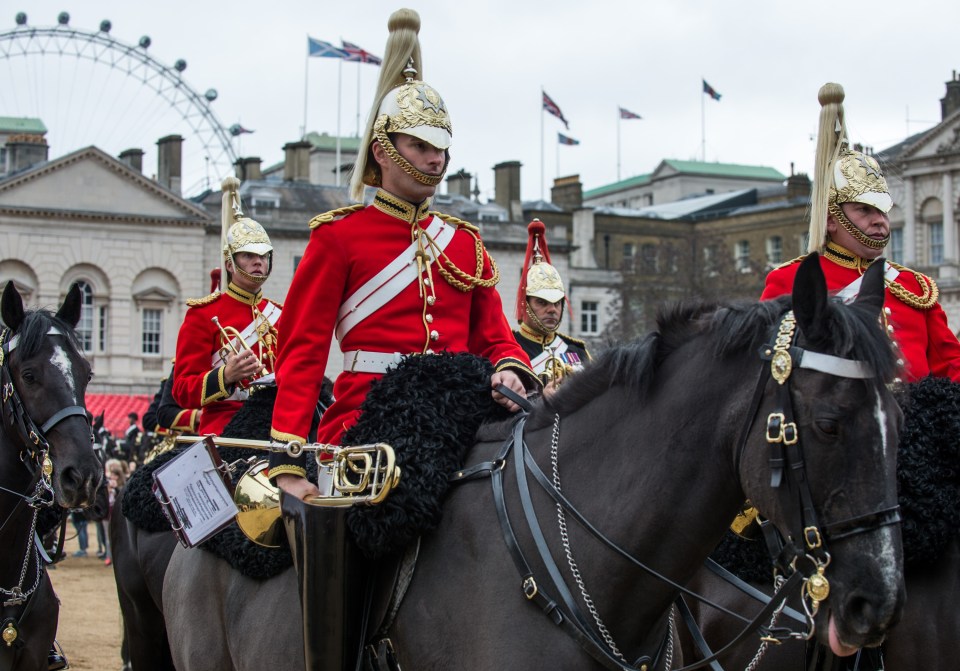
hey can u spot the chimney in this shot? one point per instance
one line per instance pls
(567, 192)
(133, 158)
(798, 186)
(169, 160)
(248, 168)
(296, 161)
(25, 150)
(950, 103)
(506, 184)
(459, 184)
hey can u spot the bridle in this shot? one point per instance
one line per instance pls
(788, 474)
(35, 456)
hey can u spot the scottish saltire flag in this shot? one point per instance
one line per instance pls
(563, 139)
(358, 54)
(627, 114)
(554, 109)
(320, 49)
(710, 91)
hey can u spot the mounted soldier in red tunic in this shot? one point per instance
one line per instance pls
(228, 339)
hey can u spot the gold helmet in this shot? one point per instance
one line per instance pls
(842, 175)
(240, 233)
(403, 104)
(538, 277)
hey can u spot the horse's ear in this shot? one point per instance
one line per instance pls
(810, 296)
(70, 310)
(11, 307)
(871, 287)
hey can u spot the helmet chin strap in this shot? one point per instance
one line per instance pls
(857, 234)
(538, 325)
(380, 134)
(256, 279)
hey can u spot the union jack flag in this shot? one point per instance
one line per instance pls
(359, 54)
(627, 114)
(710, 91)
(554, 109)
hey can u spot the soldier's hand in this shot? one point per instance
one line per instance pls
(296, 485)
(240, 366)
(511, 381)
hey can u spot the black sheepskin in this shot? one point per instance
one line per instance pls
(252, 421)
(428, 409)
(928, 482)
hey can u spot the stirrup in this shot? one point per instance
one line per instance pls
(56, 660)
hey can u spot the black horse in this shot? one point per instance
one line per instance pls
(657, 444)
(46, 459)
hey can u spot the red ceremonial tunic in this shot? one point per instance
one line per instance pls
(425, 316)
(927, 344)
(197, 381)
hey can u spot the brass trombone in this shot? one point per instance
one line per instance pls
(227, 336)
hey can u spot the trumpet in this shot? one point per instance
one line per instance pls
(227, 335)
(555, 369)
(347, 475)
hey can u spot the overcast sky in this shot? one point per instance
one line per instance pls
(489, 61)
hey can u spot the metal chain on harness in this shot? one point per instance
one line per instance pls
(575, 570)
(16, 595)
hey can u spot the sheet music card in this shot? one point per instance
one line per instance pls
(193, 494)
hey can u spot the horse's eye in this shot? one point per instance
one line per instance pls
(28, 377)
(828, 426)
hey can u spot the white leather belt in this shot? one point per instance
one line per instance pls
(359, 361)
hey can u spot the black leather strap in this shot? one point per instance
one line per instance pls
(524, 404)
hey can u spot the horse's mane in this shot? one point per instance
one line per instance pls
(853, 332)
(35, 325)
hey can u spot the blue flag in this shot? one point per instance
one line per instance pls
(321, 49)
(565, 139)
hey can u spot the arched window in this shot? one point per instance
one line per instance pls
(85, 327)
(932, 216)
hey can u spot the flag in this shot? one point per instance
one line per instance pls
(236, 129)
(627, 114)
(710, 91)
(553, 109)
(358, 54)
(321, 49)
(563, 139)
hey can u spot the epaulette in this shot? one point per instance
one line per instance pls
(459, 223)
(791, 262)
(206, 300)
(333, 215)
(575, 341)
(925, 301)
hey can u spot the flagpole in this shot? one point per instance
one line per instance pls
(306, 70)
(618, 143)
(541, 143)
(703, 123)
(558, 160)
(357, 132)
(339, 90)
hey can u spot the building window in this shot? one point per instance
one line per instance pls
(774, 250)
(742, 256)
(936, 243)
(896, 244)
(152, 319)
(85, 327)
(589, 321)
(710, 261)
(265, 206)
(102, 310)
(629, 254)
(649, 255)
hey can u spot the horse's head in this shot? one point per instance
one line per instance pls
(824, 470)
(44, 378)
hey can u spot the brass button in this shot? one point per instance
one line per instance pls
(426, 281)
(434, 335)
(431, 300)
(429, 319)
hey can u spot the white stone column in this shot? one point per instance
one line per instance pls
(909, 224)
(949, 269)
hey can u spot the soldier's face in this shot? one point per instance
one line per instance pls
(869, 220)
(422, 155)
(548, 313)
